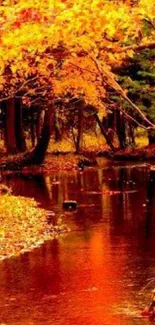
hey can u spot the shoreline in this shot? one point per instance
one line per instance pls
(56, 161)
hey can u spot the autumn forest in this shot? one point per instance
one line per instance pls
(77, 139)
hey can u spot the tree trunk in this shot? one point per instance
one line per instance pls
(73, 136)
(56, 127)
(103, 131)
(79, 128)
(37, 155)
(151, 137)
(39, 122)
(10, 136)
(32, 127)
(131, 135)
(19, 133)
(39, 152)
(120, 128)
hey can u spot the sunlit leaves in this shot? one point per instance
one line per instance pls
(31, 31)
(23, 225)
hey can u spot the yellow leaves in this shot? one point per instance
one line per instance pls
(130, 53)
(85, 28)
(79, 77)
(23, 225)
(2, 233)
(147, 8)
(2, 66)
(13, 69)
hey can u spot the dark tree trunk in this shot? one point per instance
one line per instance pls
(79, 129)
(1, 123)
(19, 133)
(39, 122)
(56, 127)
(39, 152)
(104, 133)
(32, 127)
(120, 129)
(10, 136)
(73, 136)
(37, 155)
(131, 135)
(151, 137)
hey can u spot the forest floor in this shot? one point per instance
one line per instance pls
(93, 146)
(132, 153)
(61, 155)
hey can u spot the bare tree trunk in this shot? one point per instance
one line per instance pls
(37, 155)
(131, 134)
(104, 133)
(39, 152)
(120, 128)
(19, 133)
(79, 128)
(73, 135)
(151, 137)
(56, 127)
(10, 137)
(40, 114)
(32, 128)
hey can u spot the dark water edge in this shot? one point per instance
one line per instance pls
(96, 274)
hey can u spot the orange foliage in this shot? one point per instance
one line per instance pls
(58, 41)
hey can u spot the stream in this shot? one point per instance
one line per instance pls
(95, 274)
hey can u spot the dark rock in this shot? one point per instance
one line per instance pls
(70, 205)
(86, 162)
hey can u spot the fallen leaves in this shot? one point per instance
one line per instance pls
(24, 226)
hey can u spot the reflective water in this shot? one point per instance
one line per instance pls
(96, 274)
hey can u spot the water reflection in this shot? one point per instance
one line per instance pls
(95, 274)
(150, 211)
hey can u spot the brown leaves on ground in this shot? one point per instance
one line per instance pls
(145, 153)
(23, 226)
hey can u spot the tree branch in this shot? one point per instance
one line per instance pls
(137, 48)
(110, 81)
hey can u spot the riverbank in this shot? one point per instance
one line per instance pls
(24, 225)
(146, 153)
(59, 160)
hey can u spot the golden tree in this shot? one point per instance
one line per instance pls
(64, 46)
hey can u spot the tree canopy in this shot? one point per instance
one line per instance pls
(70, 46)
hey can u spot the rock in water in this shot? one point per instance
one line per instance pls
(70, 205)
(86, 162)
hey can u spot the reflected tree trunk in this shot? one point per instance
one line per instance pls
(150, 198)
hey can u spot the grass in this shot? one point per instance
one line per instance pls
(91, 142)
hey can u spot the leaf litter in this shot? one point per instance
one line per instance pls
(24, 226)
